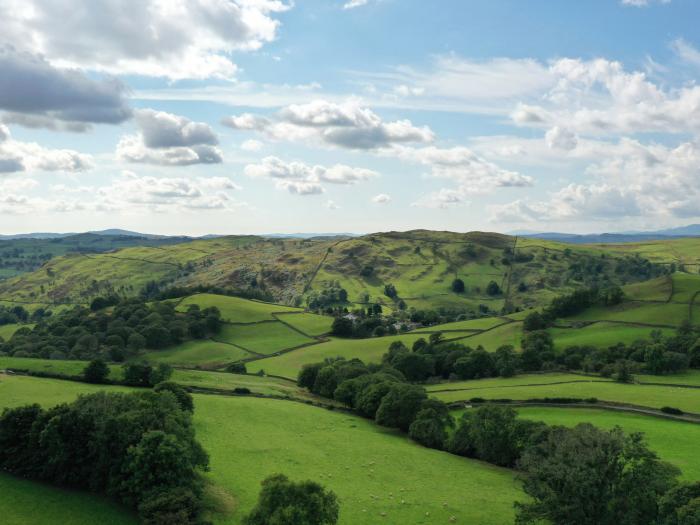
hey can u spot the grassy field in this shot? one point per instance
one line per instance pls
(372, 470)
(659, 289)
(369, 350)
(235, 309)
(670, 314)
(8, 330)
(674, 441)
(310, 324)
(472, 324)
(687, 399)
(205, 353)
(516, 381)
(505, 334)
(601, 335)
(30, 503)
(263, 338)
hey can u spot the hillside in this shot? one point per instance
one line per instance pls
(421, 265)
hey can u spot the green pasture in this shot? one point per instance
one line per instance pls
(310, 324)
(602, 335)
(483, 323)
(674, 441)
(379, 476)
(658, 289)
(686, 399)
(504, 334)
(685, 287)
(497, 383)
(671, 314)
(198, 352)
(8, 330)
(263, 338)
(235, 309)
(369, 350)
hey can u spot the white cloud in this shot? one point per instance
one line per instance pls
(252, 145)
(345, 125)
(352, 4)
(600, 98)
(176, 39)
(686, 51)
(169, 140)
(642, 3)
(20, 156)
(382, 198)
(331, 205)
(561, 138)
(304, 179)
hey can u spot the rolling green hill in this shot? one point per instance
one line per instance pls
(420, 264)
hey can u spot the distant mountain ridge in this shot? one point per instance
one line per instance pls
(692, 230)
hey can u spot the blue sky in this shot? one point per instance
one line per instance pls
(254, 116)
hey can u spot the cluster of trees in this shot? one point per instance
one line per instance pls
(139, 448)
(18, 314)
(572, 304)
(657, 355)
(580, 475)
(326, 299)
(130, 327)
(154, 291)
(449, 360)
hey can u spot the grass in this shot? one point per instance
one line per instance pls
(674, 441)
(8, 330)
(369, 350)
(506, 334)
(372, 470)
(472, 324)
(503, 382)
(601, 335)
(685, 286)
(195, 353)
(263, 338)
(687, 399)
(310, 324)
(235, 309)
(30, 503)
(658, 289)
(688, 377)
(671, 314)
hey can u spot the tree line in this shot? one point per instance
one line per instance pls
(580, 475)
(116, 334)
(139, 448)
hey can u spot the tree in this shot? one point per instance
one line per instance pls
(237, 368)
(390, 291)
(284, 502)
(400, 405)
(681, 505)
(589, 476)
(96, 371)
(184, 398)
(535, 321)
(458, 286)
(342, 327)
(493, 289)
(307, 375)
(538, 347)
(476, 364)
(429, 428)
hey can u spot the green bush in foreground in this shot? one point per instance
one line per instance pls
(284, 502)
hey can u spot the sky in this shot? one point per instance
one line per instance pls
(258, 116)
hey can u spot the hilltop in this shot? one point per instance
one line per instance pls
(499, 272)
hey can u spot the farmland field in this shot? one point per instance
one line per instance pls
(369, 350)
(235, 309)
(199, 353)
(601, 334)
(262, 338)
(310, 324)
(686, 399)
(372, 470)
(8, 330)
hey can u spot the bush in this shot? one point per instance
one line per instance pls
(184, 398)
(672, 410)
(96, 371)
(284, 502)
(237, 368)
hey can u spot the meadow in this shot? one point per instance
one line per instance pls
(235, 309)
(377, 474)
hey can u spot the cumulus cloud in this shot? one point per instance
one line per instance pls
(36, 94)
(20, 156)
(561, 138)
(600, 98)
(629, 180)
(346, 125)
(382, 198)
(642, 3)
(177, 39)
(169, 140)
(303, 179)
